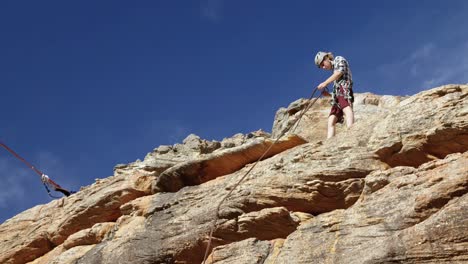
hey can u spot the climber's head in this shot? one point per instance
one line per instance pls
(324, 60)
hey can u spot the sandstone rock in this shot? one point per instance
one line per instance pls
(388, 190)
(179, 222)
(60, 256)
(266, 224)
(193, 147)
(239, 139)
(235, 141)
(195, 172)
(194, 142)
(248, 251)
(417, 217)
(137, 207)
(313, 125)
(425, 127)
(88, 236)
(44, 227)
(163, 149)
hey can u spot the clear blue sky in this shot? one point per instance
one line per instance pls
(90, 84)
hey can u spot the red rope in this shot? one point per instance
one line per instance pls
(56, 186)
(20, 158)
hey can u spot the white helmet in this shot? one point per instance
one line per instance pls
(319, 57)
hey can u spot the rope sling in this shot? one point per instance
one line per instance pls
(46, 181)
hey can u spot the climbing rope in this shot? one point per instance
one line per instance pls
(213, 226)
(304, 111)
(48, 183)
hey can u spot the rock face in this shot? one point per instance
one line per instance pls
(392, 189)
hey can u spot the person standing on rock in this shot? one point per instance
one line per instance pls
(342, 95)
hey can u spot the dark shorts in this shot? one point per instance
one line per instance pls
(338, 111)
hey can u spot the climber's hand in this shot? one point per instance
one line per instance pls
(322, 86)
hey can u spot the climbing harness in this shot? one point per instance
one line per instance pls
(48, 183)
(342, 88)
(213, 226)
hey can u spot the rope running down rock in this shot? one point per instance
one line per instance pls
(311, 103)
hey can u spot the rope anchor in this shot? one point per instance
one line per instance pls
(48, 183)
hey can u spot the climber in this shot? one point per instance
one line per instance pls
(342, 95)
